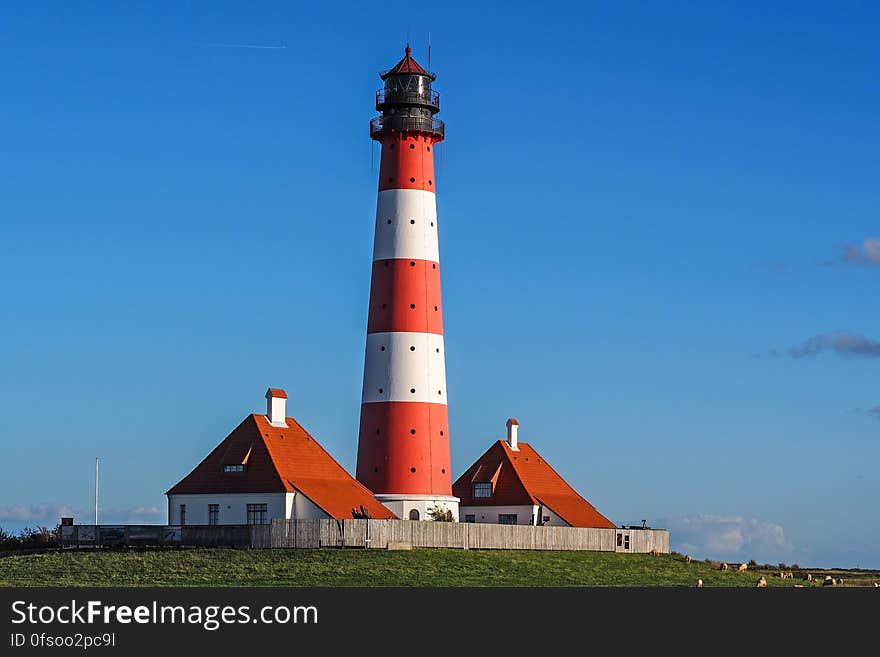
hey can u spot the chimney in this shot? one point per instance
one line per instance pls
(276, 407)
(512, 426)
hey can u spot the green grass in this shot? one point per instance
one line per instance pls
(225, 567)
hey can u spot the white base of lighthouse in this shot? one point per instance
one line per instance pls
(406, 507)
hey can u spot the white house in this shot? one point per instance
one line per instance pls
(512, 484)
(269, 467)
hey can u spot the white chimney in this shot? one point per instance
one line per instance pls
(512, 426)
(276, 407)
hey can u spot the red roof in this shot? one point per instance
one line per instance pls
(524, 478)
(280, 460)
(276, 392)
(512, 421)
(407, 65)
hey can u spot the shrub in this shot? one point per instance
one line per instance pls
(439, 514)
(29, 538)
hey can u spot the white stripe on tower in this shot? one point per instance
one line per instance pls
(406, 225)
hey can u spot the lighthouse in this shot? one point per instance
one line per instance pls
(403, 446)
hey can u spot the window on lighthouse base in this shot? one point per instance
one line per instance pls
(414, 514)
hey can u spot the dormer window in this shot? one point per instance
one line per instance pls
(234, 467)
(483, 489)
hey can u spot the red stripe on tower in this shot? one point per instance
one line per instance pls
(403, 447)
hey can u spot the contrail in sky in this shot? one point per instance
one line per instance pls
(243, 45)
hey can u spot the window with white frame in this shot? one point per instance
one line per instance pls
(183, 514)
(233, 467)
(470, 517)
(213, 514)
(506, 518)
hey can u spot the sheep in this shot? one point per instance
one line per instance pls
(828, 581)
(789, 575)
(839, 582)
(877, 585)
(761, 583)
(724, 567)
(742, 568)
(687, 558)
(700, 584)
(809, 577)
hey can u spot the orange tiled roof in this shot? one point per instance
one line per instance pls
(525, 478)
(279, 460)
(276, 392)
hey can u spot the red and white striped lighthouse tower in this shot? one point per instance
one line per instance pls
(403, 448)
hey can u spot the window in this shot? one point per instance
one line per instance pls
(483, 489)
(506, 518)
(546, 519)
(256, 514)
(235, 467)
(619, 539)
(470, 517)
(183, 514)
(626, 542)
(414, 514)
(213, 514)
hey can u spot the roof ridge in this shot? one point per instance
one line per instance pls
(516, 472)
(561, 478)
(330, 456)
(275, 468)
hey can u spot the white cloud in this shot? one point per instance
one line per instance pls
(866, 253)
(36, 513)
(729, 537)
(50, 515)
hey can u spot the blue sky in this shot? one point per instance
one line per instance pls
(648, 212)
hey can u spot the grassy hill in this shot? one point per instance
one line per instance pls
(224, 567)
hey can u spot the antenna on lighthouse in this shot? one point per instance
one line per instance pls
(429, 52)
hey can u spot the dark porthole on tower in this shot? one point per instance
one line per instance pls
(381, 390)
(412, 390)
(412, 221)
(412, 469)
(412, 348)
(412, 180)
(441, 432)
(389, 222)
(412, 305)
(412, 146)
(430, 182)
(412, 263)
(412, 432)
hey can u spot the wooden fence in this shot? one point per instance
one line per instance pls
(475, 536)
(370, 534)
